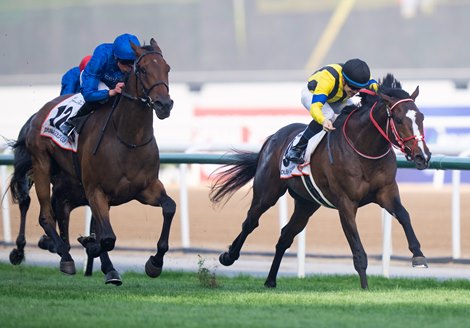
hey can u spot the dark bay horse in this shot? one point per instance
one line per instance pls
(115, 163)
(67, 195)
(352, 167)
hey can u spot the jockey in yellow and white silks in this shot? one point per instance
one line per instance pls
(327, 91)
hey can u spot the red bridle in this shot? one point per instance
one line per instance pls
(390, 124)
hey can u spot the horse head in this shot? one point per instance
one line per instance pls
(151, 72)
(406, 122)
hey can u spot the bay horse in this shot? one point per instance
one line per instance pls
(352, 166)
(115, 163)
(67, 195)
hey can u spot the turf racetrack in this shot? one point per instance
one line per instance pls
(40, 297)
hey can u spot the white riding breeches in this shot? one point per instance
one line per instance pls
(330, 111)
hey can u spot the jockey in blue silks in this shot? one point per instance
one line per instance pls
(71, 79)
(103, 77)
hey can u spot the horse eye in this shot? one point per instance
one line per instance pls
(398, 120)
(143, 71)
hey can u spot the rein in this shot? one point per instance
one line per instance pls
(390, 124)
(130, 145)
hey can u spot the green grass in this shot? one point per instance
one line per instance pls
(43, 297)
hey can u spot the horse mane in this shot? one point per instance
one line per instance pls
(390, 86)
(147, 47)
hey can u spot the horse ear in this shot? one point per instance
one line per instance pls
(154, 45)
(415, 93)
(136, 49)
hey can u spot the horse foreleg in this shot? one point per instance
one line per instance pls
(154, 265)
(419, 260)
(299, 219)
(90, 259)
(105, 237)
(111, 276)
(390, 201)
(348, 222)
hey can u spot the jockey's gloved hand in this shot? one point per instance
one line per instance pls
(327, 125)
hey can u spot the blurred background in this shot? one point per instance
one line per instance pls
(417, 38)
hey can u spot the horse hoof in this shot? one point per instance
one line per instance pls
(151, 269)
(68, 267)
(270, 284)
(225, 259)
(16, 257)
(93, 249)
(46, 243)
(113, 277)
(107, 244)
(43, 242)
(419, 262)
(85, 240)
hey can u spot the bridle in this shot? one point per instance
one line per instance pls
(409, 152)
(147, 100)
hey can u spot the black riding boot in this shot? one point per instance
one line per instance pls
(295, 153)
(69, 126)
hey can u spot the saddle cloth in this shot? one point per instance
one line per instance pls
(289, 169)
(58, 115)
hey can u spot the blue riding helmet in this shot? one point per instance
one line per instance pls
(356, 73)
(122, 48)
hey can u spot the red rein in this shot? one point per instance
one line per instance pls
(390, 123)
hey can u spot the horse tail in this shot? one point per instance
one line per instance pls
(239, 172)
(21, 181)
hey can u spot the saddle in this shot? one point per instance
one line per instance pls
(79, 120)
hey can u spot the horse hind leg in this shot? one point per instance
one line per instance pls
(45, 242)
(61, 208)
(41, 169)
(154, 265)
(251, 223)
(299, 219)
(260, 203)
(24, 200)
